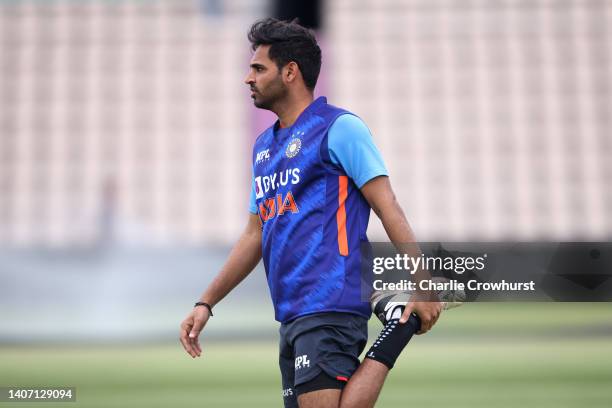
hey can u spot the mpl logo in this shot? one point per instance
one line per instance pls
(262, 156)
(302, 362)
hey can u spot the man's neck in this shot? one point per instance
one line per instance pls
(290, 109)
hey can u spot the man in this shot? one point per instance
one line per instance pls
(316, 174)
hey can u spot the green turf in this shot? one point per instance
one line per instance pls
(515, 369)
(543, 373)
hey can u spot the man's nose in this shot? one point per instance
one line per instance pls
(249, 79)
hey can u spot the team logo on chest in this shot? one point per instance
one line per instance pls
(293, 148)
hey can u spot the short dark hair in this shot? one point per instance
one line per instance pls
(288, 42)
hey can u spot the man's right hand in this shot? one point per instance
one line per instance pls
(191, 328)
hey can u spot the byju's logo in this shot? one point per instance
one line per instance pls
(262, 156)
(276, 180)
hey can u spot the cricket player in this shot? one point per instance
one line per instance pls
(316, 175)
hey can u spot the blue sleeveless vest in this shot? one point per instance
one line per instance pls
(314, 219)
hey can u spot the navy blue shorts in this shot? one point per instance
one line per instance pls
(327, 343)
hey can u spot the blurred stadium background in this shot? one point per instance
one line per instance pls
(125, 141)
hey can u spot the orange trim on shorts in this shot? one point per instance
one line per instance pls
(341, 378)
(341, 215)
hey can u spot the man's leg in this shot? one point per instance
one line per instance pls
(361, 391)
(344, 382)
(365, 385)
(325, 349)
(327, 398)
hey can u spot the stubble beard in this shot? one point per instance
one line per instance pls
(276, 92)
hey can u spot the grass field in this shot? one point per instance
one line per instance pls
(527, 365)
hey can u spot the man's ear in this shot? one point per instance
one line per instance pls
(291, 71)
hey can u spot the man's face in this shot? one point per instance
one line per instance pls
(265, 79)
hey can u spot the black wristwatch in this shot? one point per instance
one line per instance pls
(206, 305)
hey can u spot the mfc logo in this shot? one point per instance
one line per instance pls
(262, 156)
(302, 362)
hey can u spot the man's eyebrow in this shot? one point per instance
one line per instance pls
(256, 65)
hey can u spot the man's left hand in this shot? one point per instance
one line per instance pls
(427, 310)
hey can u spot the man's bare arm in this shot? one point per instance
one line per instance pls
(380, 196)
(243, 258)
